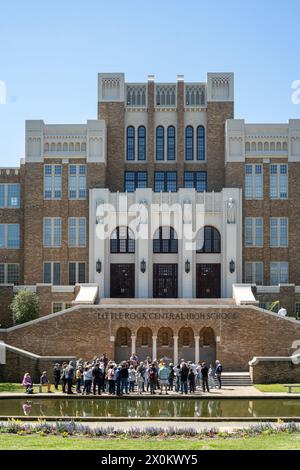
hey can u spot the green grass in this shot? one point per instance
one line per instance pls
(279, 441)
(6, 387)
(275, 388)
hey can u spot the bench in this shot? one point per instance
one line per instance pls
(290, 387)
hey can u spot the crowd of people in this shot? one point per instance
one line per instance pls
(102, 375)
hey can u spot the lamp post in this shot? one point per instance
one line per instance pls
(143, 266)
(232, 266)
(187, 266)
(98, 266)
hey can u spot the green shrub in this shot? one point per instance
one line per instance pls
(25, 306)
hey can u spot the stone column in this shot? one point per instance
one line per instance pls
(112, 340)
(175, 339)
(154, 347)
(133, 344)
(197, 350)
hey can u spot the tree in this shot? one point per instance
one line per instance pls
(274, 306)
(25, 306)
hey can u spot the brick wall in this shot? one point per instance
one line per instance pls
(268, 372)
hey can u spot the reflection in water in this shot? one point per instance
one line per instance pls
(146, 408)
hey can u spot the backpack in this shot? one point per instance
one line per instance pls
(151, 374)
(219, 369)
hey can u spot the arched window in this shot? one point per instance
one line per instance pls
(185, 338)
(53, 147)
(272, 147)
(160, 143)
(141, 143)
(77, 147)
(260, 146)
(130, 143)
(248, 147)
(200, 143)
(71, 147)
(284, 146)
(171, 143)
(46, 147)
(165, 339)
(278, 147)
(253, 147)
(165, 240)
(59, 147)
(189, 143)
(266, 147)
(65, 147)
(83, 147)
(122, 241)
(208, 240)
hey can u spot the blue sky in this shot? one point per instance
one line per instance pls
(51, 52)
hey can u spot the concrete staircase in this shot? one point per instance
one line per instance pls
(236, 379)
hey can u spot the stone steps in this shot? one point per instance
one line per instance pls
(237, 379)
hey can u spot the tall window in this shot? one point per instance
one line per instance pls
(165, 240)
(160, 143)
(279, 273)
(52, 231)
(196, 180)
(189, 143)
(122, 241)
(77, 181)
(208, 240)
(10, 236)
(254, 272)
(52, 181)
(200, 143)
(52, 273)
(77, 231)
(254, 232)
(9, 195)
(130, 153)
(278, 232)
(9, 273)
(278, 181)
(171, 147)
(77, 273)
(134, 180)
(141, 143)
(165, 181)
(254, 182)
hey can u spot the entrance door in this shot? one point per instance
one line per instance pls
(208, 281)
(165, 281)
(122, 280)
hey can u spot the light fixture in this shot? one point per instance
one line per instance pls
(98, 266)
(187, 266)
(232, 266)
(143, 266)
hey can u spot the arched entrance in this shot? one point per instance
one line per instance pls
(207, 346)
(123, 345)
(144, 343)
(165, 344)
(186, 344)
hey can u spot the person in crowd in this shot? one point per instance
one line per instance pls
(152, 378)
(191, 379)
(104, 359)
(111, 379)
(56, 375)
(27, 383)
(64, 377)
(140, 374)
(97, 379)
(118, 380)
(177, 377)
(211, 377)
(124, 378)
(79, 378)
(163, 376)
(204, 372)
(171, 377)
(133, 359)
(70, 372)
(199, 375)
(131, 378)
(87, 380)
(44, 382)
(141, 370)
(184, 371)
(219, 370)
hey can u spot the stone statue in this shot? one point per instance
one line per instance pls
(231, 211)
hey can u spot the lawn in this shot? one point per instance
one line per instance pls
(275, 388)
(6, 387)
(280, 441)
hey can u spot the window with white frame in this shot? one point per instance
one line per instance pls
(52, 273)
(9, 195)
(278, 181)
(10, 236)
(254, 182)
(279, 232)
(52, 181)
(59, 306)
(77, 231)
(77, 181)
(9, 273)
(254, 272)
(279, 273)
(52, 231)
(77, 273)
(297, 309)
(254, 232)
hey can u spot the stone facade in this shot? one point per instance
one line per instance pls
(274, 370)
